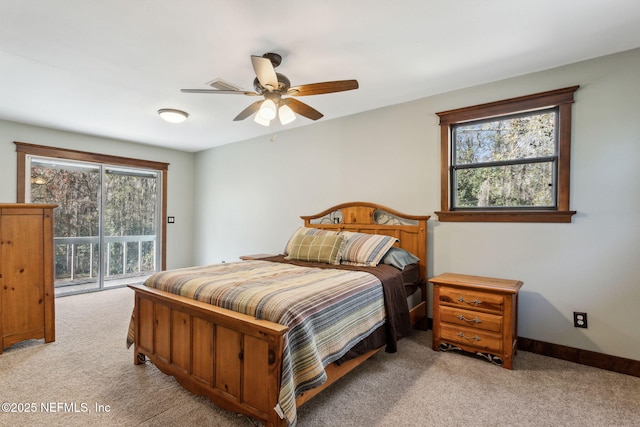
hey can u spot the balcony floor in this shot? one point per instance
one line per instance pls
(72, 287)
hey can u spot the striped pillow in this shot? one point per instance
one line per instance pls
(324, 248)
(366, 249)
(307, 231)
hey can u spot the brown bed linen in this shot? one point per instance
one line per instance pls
(411, 275)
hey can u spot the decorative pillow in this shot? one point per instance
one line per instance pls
(399, 258)
(307, 231)
(317, 248)
(366, 249)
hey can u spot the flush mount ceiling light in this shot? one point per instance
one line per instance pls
(173, 116)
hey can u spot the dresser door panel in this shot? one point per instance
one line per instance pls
(27, 304)
(22, 273)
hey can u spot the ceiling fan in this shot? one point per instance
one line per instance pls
(273, 87)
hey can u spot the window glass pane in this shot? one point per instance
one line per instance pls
(517, 137)
(75, 188)
(521, 185)
(130, 222)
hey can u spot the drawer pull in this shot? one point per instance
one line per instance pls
(476, 320)
(474, 338)
(475, 301)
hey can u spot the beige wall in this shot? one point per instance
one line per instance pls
(250, 196)
(180, 188)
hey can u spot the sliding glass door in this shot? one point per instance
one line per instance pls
(130, 224)
(106, 224)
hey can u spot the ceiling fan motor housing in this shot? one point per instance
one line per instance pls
(283, 84)
(275, 58)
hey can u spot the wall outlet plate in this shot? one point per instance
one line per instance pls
(579, 319)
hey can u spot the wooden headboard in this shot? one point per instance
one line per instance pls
(372, 218)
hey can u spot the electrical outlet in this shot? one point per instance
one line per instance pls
(580, 319)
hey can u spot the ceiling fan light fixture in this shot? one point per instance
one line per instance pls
(268, 110)
(261, 121)
(173, 116)
(273, 86)
(286, 114)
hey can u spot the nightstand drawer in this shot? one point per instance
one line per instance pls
(471, 337)
(472, 319)
(472, 299)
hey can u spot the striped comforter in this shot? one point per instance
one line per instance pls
(327, 311)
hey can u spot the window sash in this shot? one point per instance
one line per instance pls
(457, 168)
(549, 194)
(456, 129)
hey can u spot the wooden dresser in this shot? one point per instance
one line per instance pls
(26, 273)
(476, 314)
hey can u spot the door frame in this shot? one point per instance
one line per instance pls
(23, 149)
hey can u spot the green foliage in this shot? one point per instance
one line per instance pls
(74, 191)
(130, 208)
(506, 162)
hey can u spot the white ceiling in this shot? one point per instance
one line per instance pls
(104, 67)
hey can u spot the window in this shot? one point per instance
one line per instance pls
(508, 161)
(108, 224)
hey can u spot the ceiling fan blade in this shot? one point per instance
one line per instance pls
(224, 92)
(265, 72)
(324, 87)
(303, 109)
(248, 111)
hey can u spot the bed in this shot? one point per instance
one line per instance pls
(246, 363)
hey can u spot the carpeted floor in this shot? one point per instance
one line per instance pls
(87, 377)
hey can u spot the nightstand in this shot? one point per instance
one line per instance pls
(476, 314)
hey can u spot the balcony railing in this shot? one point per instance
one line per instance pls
(77, 257)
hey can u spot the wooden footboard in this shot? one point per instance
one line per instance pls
(233, 359)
